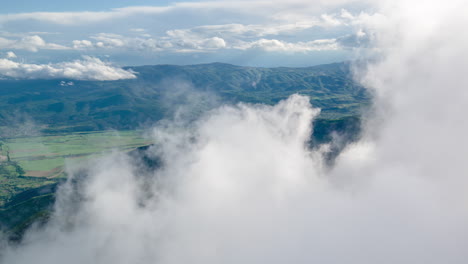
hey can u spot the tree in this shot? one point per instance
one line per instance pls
(18, 168)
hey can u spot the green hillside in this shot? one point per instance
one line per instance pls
(52, 106)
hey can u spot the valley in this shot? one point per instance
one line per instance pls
(47, 126)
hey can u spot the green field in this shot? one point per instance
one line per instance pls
(38, 161)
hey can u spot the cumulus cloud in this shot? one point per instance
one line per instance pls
(278, 45)
(64, 83)
(10, 55)
(183, 43)
(149, 44)
(205, 44)
(214, 43)
(87, 69)
(247, 31)
(110, 40)
(82, 44)
(290, 22)
(31, 43)
(238, 36)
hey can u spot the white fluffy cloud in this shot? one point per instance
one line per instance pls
(289, 26)
(177, 43)
(278, 45)
(82, 44)
(235, 36)
(149, 44)
(247, 31)
(87, 69)
(10, 55)
(31, 43)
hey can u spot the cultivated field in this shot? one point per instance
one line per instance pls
(45, 156)
(32, 162)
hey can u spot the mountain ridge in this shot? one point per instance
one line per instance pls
(70, 105)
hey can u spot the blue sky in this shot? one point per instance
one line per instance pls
(274, 33)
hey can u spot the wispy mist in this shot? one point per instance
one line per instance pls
(240, 185)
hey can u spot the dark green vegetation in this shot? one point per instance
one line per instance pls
(22, 199)
(44, 123)
(26, 208)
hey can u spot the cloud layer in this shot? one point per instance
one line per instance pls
(279, 10)
(218, 31)
(87, 69)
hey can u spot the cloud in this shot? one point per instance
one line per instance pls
(189, 45)
(280, 10)
(278, 45)
(237, 36)
(82, 44)
(213, 43)
(182, 43)
(74, 18)
(30, 43)
(138, 30)
(246, 31)
(87, 69)
(115, 41)
(64, 83)
(215, 30)
(10, 55)
(110, 40)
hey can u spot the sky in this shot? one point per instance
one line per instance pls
(21, 6)
(144, 32)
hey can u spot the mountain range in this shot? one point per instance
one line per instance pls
(163, 91)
